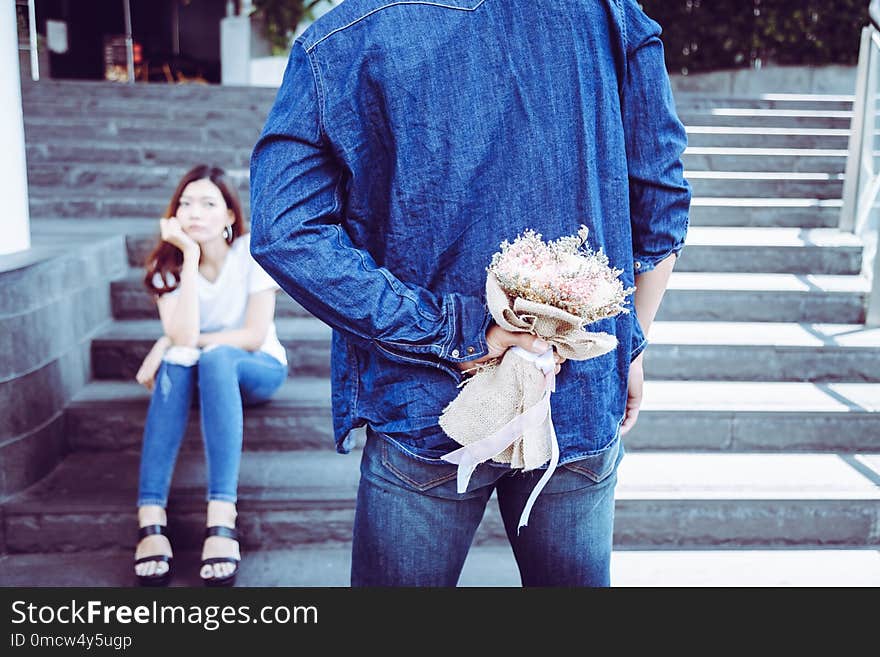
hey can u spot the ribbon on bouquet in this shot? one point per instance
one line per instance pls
(470, 456)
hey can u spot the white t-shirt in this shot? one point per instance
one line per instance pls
(223, 303)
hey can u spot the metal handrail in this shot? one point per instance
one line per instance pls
(862, 178)
(32, 38)
(852, 175)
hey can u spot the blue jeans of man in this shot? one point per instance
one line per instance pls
(413, 529)
(227, 379)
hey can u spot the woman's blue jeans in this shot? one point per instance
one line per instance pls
(413, 529)
(227, 379)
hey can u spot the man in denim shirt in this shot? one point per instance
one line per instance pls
(407, 141)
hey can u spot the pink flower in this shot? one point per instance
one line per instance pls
(566, 274)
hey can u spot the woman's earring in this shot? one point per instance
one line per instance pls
(227, 233)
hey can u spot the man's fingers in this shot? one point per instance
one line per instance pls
(526, 341)
(629, 420)
(538, 345)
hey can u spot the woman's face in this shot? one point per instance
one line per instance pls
(202, 212)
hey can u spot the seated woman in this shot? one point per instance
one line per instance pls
(217, 307)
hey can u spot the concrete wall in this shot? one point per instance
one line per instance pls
(268, 72)
(774, 79)
(53, 298)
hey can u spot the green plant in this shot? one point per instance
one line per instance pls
(698, 35)
(280, 18)
(702, 35)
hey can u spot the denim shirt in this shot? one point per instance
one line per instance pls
(409, 139)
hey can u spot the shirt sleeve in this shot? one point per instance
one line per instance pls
(655, 140)
(299, 238)
(638, 341)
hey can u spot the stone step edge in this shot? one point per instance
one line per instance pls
(486, 565)
(664, 332)
(325, 477)
(94, 493)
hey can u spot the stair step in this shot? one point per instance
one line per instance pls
(131, 301)
(766, 184)
(709, 248)
(725, 249)
(113, 121)
(723, 245)
(764, 298)
(121, 131)
(808, 212)
(765, 117)
(110, 415)
(765, 212)
(118, 351)
(246, 134)
(775, 237)
(293, 498)
(73, 206)
(752, 137)
(146, 154)
(158, 102)
(675, 415)
(73, 151)
(485, 566)
(698, 100)
(92, 92)
(771, 250)
(764, 352)
(112, 112)
(680, 350)
(691, 296)
(54, 178)
(243, 113)
(46, 179)
(800, 160)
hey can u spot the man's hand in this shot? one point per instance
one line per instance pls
(634, 396)
(499, 341)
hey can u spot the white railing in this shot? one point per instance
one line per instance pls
(861, 190)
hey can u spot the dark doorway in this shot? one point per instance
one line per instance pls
(178, 40)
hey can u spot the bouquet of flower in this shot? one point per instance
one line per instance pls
(552, 291)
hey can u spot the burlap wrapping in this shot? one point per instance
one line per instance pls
(497, 393)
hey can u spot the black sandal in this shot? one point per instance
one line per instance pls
(153, 580)
(229, 580)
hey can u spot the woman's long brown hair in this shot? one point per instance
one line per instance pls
(166, 259)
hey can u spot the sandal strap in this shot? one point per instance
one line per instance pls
(220, 530)
(155, 557)
(150, 530)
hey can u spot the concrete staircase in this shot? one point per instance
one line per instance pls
(761, 423)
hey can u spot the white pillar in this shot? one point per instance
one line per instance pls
(235, 50)
(15, 234)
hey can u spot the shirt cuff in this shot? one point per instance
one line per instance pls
(645, 263)
(637, 350)
(468, 320)
(638, 342)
